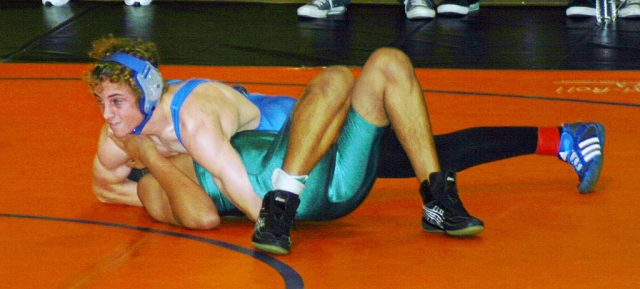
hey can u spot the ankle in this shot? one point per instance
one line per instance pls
(282, 181)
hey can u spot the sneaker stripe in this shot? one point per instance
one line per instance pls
(589, 141)
(590, 149)
(434, 214)
(592, 155)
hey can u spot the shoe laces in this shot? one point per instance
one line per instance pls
(630, 2)
(320, 3)
(280, 217)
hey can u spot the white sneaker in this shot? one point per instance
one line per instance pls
(629, 9)
(419, 9)
(137, 2)
(322, 8)
(55, 2)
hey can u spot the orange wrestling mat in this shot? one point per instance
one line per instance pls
(540, 232)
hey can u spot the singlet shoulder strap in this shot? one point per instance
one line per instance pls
(178, 99)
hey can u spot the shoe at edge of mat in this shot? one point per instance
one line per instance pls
(629, 9)
(419, 9)
(54, 2)
(137, 2)
(322, 8)
(581, 8)
(457, 7)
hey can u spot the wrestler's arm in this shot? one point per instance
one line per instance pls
(110, 171)
(211, 148)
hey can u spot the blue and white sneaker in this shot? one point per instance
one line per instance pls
(582, 146)
(322, 8)
(419, 9)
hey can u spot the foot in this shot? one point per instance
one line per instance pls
(629, 9)
(457, 8)
(271, 233)
(581, 8)
(322, 8)
(582, 146)
(419, 9)
(442, 210)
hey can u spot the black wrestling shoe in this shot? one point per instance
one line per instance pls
(271, 233)
(442, 210)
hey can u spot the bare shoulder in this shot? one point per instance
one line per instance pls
(219, 105)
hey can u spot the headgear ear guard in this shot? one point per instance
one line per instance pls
(147, 78)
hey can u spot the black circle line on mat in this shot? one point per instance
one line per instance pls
(291, 278)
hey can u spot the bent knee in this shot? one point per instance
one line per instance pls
(339, 71)
(334, 80)
(390, 59)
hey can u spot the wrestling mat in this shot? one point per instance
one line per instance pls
(540, 232)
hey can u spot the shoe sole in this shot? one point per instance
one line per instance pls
(629, 13)
(453, 10)
(468, 231)
(270, 248)
(419, 16)
(580, 12)
(320, 14)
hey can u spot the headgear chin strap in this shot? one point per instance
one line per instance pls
(147, 78)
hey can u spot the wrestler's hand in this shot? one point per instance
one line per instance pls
(135, 146)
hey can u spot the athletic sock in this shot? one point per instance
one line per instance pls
(281, 180)
(460, 150)
(548, 140)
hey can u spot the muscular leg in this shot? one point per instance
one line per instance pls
(317, 120)
(387, 92)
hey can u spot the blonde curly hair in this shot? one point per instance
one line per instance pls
(114, 72)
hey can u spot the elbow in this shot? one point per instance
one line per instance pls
(203, 222)
(106, 197)
(113, 198)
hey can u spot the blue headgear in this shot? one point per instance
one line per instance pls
(147, 78)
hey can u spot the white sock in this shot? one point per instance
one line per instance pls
(283, 181)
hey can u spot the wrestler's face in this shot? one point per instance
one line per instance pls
(119, 107)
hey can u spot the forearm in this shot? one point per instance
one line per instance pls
(249, 202)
